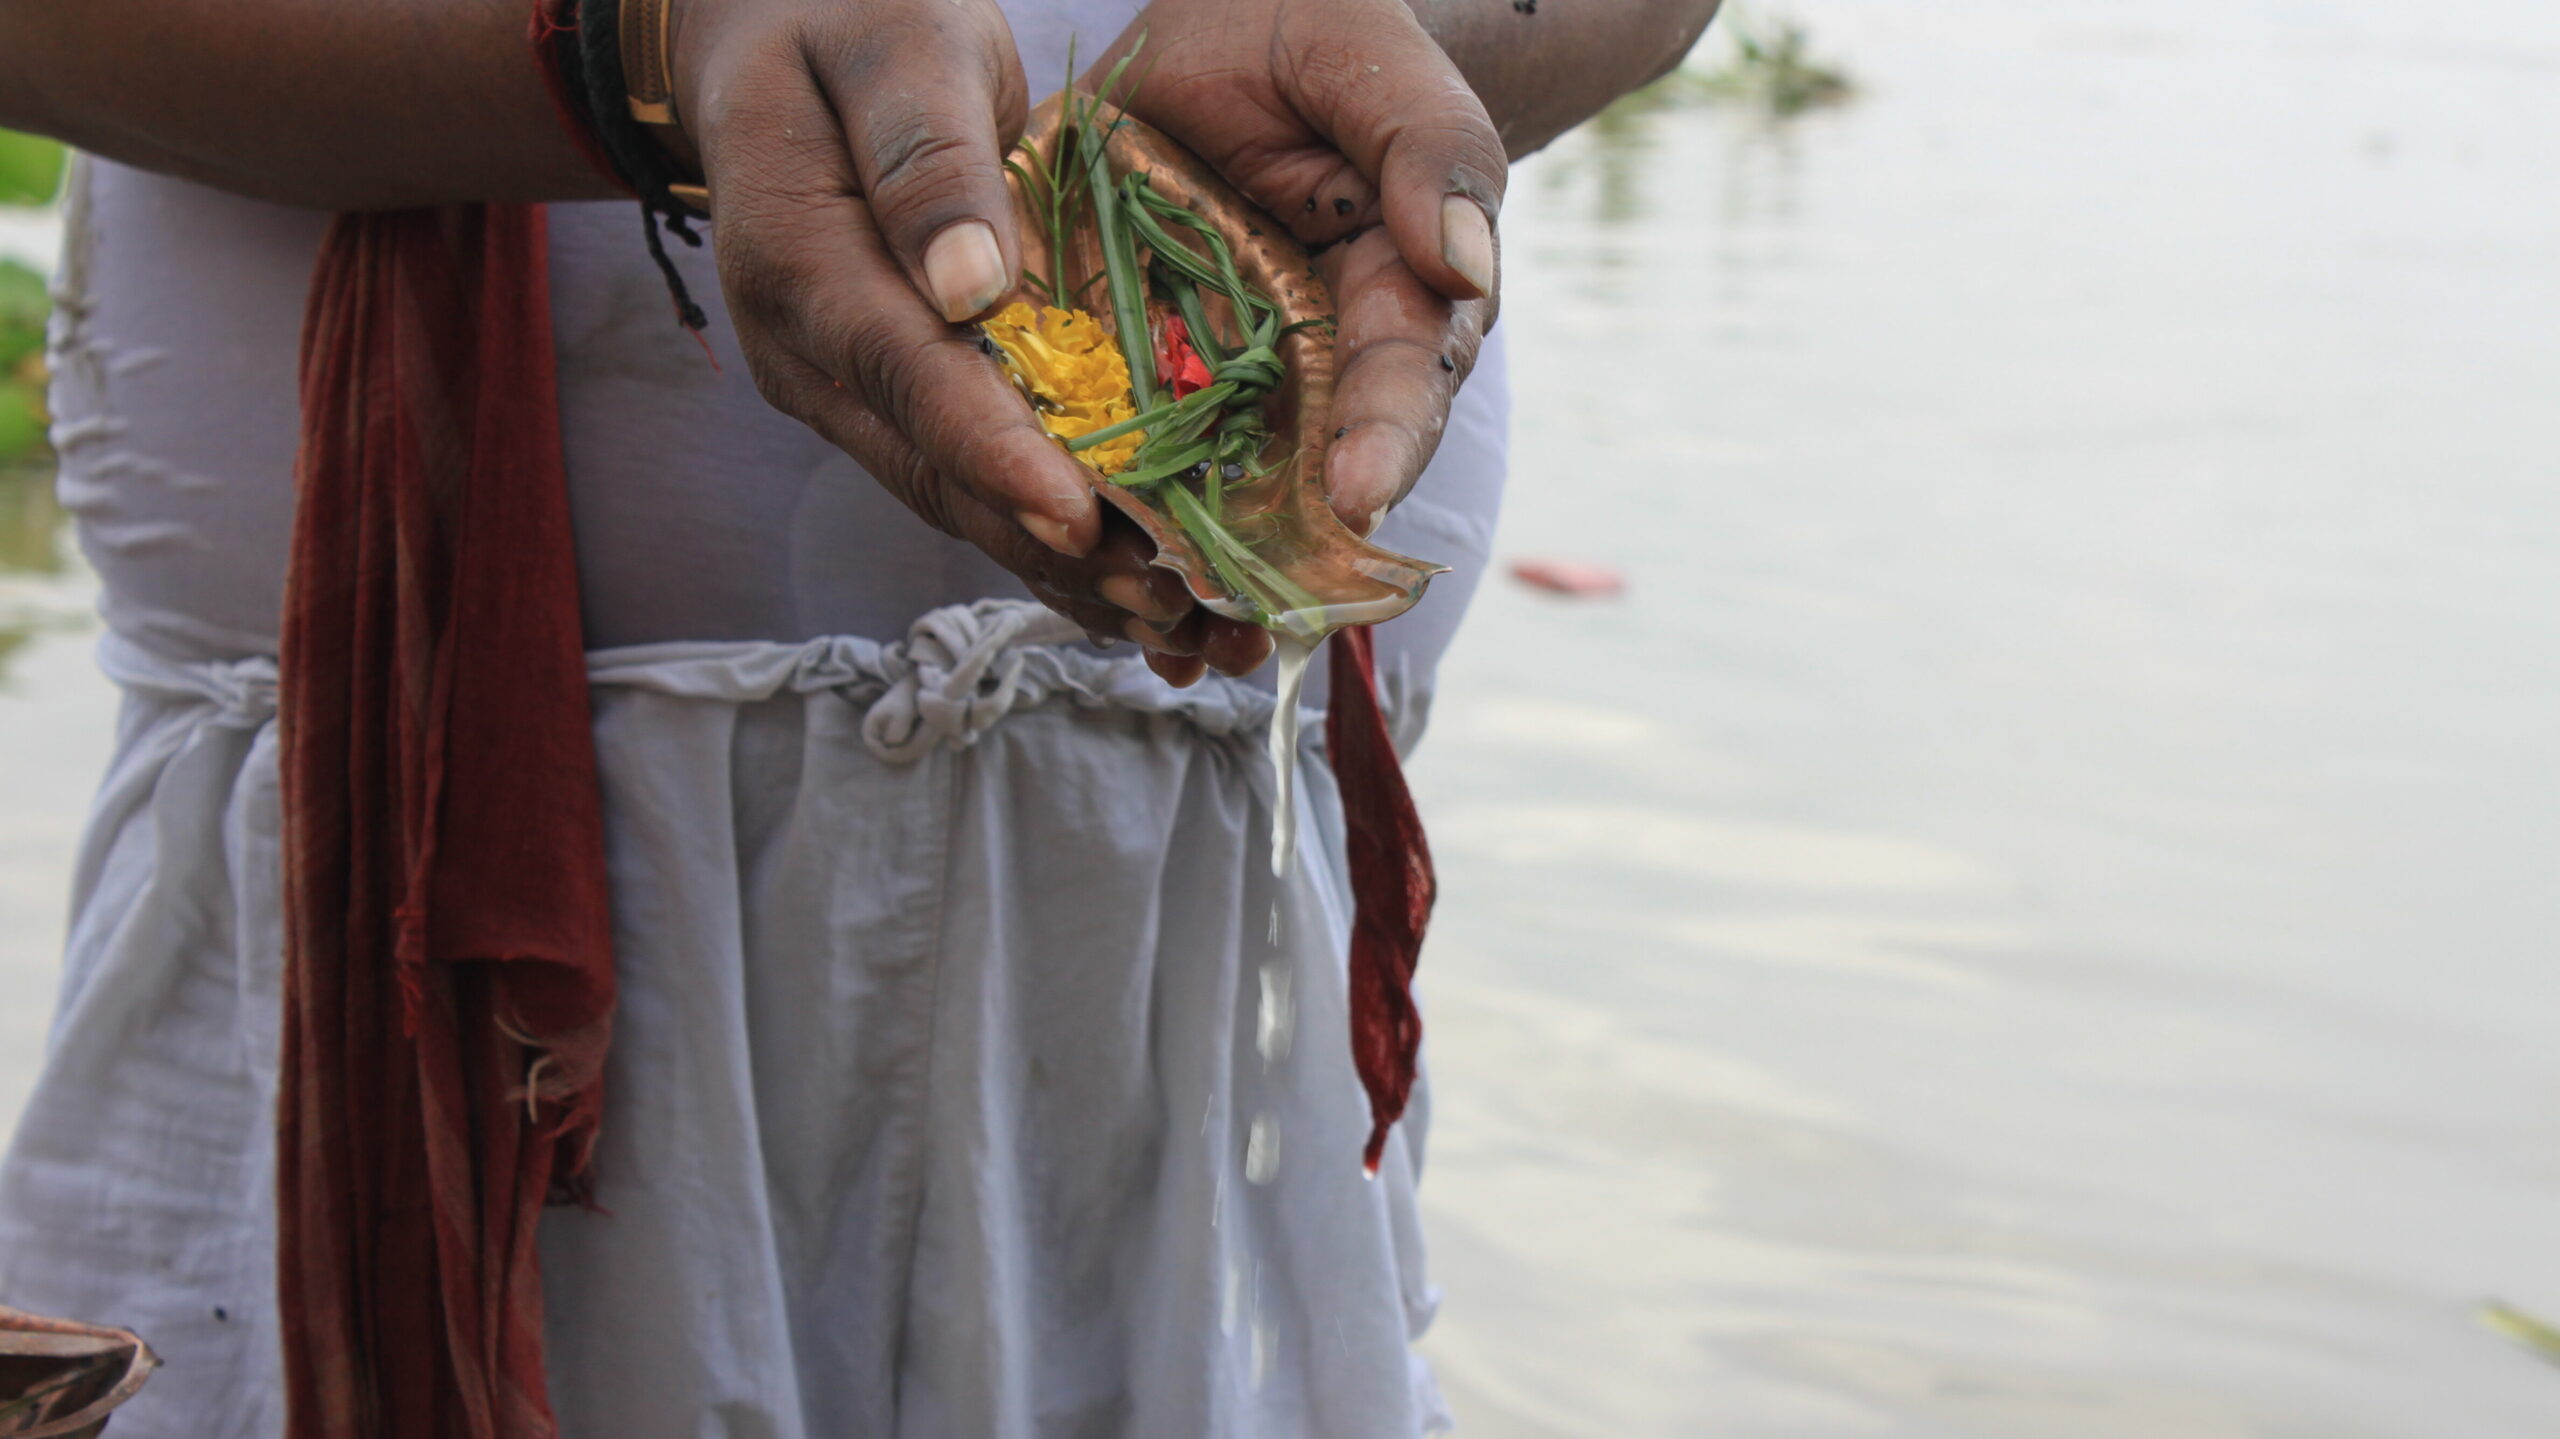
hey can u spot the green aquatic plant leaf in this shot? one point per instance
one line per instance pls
(2536, 1336)
(24, 306)
(30, 169)
(1772, 66)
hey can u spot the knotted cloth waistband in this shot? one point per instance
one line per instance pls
(960, 670)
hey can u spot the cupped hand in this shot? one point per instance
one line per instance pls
(1344, 119)
(854, 154)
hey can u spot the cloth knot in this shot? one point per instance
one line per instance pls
(958, 671)
(242, 692)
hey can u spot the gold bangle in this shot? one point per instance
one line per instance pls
(648, 74)
(649, 88)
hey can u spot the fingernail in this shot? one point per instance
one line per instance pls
(1053, 533)
(1135, 595)
(1147, 635)
(1466, 241)
(1361, 474)
(964, 268)
(1370, 530)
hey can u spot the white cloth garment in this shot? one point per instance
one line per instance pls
(950, 1008)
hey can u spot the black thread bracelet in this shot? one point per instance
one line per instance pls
(588, 55)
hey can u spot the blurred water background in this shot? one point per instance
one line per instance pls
(2039, 914)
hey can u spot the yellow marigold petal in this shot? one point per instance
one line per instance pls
(1072, 364)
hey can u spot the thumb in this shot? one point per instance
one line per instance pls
(931, 95)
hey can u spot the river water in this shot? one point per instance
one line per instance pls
(2039, 915)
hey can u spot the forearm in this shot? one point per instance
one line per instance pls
(326, 103)
(1544, 68)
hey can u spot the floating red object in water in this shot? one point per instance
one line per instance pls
(1569, 577)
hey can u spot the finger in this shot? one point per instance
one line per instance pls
(1112, 594)
(931, 95)
(1124, 578)
(1100, 622)
(1232, 647)
(1340, 200)
(1106, 591)
(1184, 87)
(1179, 671)
(1404, 350)
(812, 286)
(898, 466)
(1392, 102)
(1183, 638)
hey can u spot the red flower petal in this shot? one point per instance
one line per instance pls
(1177, 364)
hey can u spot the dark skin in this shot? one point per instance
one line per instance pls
(853, 148)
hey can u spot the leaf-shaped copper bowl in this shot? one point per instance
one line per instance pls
(1284, 512)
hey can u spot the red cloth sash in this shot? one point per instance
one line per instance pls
(1393, 885)
(448, 943)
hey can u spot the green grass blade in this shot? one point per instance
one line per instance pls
(2537, 1337)
(1120, 265)
(1246, 573)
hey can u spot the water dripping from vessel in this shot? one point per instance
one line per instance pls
(1262, 1150)
(1276, 1021)
(1293, 654)
(1261, 1338)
